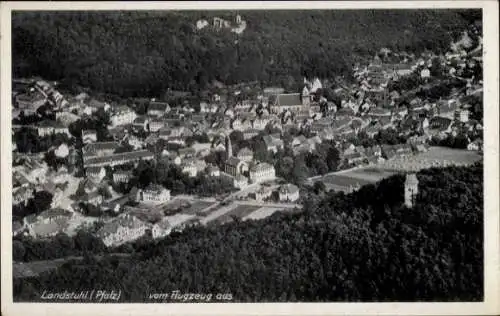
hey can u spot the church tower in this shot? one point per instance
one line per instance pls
(229, 148)
(411, 189)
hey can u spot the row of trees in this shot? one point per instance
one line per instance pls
(364, 246)
(25, 248)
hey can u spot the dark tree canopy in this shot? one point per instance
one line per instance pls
(145, 53)
(364, 246)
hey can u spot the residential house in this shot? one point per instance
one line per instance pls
(462, 115)
(263, 193)
(154, 193)
(250, 133)
(442, 124)
(158, 108)
(244, 105)
(288, 193)
(273, 143)
(141, 122)
(48, 223)
(122, 176)
(245, 154)
(155, 125)
(447, 108)
(99, 149)
(119, 159)
(98, 173)
(30, 102)
(94, 198)
(354, 158)
(186, 152)
(189, 167)
(122, 115)
(124, 228)
(47, 127)
(89, 136)
(475, 145)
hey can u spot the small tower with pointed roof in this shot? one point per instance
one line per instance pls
(411, 189)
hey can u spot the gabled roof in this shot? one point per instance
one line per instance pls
(154, 188)
(233, 161)
(158, 106)
(290, 99)
(93, 147)
(261, 167)
(245, 152)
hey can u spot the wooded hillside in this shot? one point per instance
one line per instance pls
(144, 53)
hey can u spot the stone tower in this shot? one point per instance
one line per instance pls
(305, 97)
(229, 148)
(411, 189)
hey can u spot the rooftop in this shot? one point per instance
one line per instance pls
(290, 99)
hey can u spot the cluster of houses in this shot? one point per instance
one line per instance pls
(367, 108)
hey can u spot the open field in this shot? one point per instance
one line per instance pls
(435, 157)
(240, 211)
(184, 206)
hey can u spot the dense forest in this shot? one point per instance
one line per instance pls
(364, 246)
(146, 53)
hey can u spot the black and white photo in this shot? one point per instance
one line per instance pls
(250, 155)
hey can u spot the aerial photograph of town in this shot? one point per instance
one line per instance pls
(247, 156)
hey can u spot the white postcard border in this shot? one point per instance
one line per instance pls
(491, 304)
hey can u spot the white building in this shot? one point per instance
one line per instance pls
(190, 168)
(98, 173)
(121, 176)
(156, 125)
(123, 116)
(262, 172)
(154, 193)
(123, 229)
(45, 128)
(213, 171)
(89, 136)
